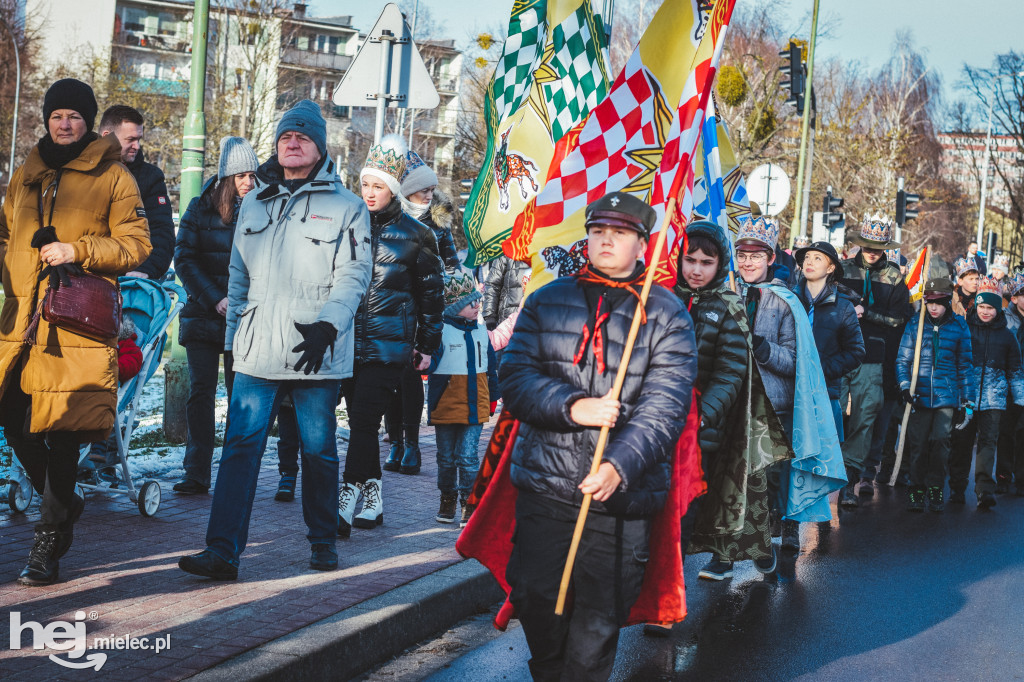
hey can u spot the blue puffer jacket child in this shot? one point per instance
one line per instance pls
(946, 375)
(997, 364)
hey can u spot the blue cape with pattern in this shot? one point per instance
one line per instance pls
(817, 467)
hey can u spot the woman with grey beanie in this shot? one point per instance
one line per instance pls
(201, 258)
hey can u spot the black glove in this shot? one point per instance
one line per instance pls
(757, 339)
(60, 274)
(43, 236)
(316, 339)
(908, 397)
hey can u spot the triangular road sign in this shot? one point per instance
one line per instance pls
(409, 83)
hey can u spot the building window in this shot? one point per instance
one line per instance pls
(333, 44)
(321, 43)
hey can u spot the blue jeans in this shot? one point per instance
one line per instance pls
(253, 403)
(457, 454)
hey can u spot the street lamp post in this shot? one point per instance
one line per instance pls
(17, 97)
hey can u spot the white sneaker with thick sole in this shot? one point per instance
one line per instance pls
(372, 514)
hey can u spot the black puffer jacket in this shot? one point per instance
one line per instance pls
(540, 383)
(504, 289)
(886, 302)
(440, 218)
(402, 308)
(722, 343)
(201, 259)
(153, 190)
(837, 333)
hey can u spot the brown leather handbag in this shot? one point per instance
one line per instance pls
(91, 306)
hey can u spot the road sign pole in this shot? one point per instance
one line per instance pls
(383, 95)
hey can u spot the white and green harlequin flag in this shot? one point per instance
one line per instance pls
(552, 72)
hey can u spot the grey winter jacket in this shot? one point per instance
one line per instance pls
(298, 256)
(776, 356)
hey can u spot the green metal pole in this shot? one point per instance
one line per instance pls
(805, 123)
(193, 144)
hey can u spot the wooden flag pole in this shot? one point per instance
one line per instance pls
(620, 378)
(917, 366)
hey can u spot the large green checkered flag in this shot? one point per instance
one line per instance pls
(551, 73)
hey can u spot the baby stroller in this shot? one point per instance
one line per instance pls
(19, 488)
(151, 308)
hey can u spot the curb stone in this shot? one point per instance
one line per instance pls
(355, 640)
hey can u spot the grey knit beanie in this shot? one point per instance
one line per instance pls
(305, 118)
(236, 156)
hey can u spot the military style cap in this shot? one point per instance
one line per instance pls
(938, 288)
(620, 209)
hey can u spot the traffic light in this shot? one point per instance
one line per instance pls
(831, 218)
(792, 66)
(905, 206)
(467, 189)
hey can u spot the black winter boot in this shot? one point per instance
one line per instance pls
(42, 567)
(411, 458)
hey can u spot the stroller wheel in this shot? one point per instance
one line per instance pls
(19, 496)
(149, 498)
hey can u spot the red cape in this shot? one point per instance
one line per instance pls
(488, 535)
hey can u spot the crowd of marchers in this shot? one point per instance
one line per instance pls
(312, 297)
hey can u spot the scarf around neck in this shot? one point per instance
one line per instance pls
(56, 156)
(596, 281)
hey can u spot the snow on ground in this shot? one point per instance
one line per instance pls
(149, 460)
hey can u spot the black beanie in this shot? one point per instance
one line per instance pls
(69, 93)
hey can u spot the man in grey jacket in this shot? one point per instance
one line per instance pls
(300, 264)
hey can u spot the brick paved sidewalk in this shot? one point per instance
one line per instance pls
(122, 572)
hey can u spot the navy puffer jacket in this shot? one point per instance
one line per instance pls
(540, 382)
(402, 309)
(946, 375)
(997, 353)
(201, 258)
(837, 333)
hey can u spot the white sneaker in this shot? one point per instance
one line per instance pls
(373, 506)
(348, 496)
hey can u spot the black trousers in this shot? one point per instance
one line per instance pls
(1010, 462)
(200, 416)
(50, 459)
(606, 581)
(985, 427)
(288, 440)
(367, 394)
(406, 408)
(928, 437)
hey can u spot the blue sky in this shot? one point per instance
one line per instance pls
(950, 32)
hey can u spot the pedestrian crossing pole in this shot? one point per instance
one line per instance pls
(193, 144)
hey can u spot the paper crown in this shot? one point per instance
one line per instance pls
(989, 285)
(964, 265)
(1001, 263)
(1015, 284)
(893, 255)
(457, 286)
(876, 232)
(388, 157)
(801, 241)
(759, 231)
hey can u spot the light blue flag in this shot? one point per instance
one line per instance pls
(817, 467)
(713, 183)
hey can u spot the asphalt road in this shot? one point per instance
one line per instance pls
(878, 594)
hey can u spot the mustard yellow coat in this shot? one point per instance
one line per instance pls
(72, 379)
